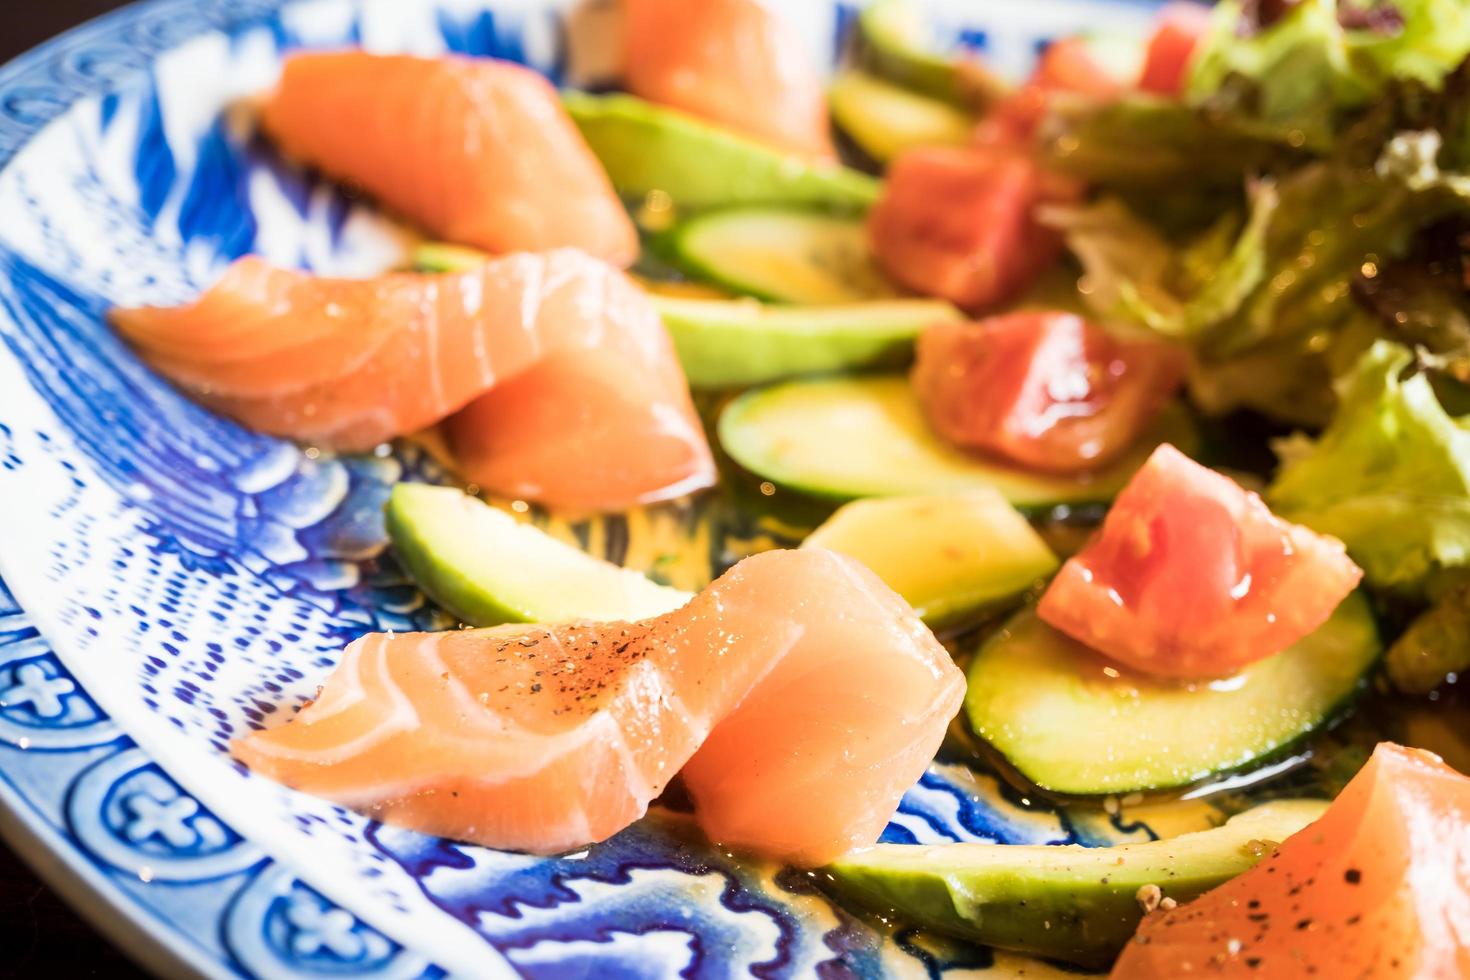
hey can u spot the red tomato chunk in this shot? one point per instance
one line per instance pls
(1066, 66)
(1046, 390)
(1181, 28)
(1191, 576)
(958, 223)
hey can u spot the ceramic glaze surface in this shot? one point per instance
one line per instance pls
(173, 580)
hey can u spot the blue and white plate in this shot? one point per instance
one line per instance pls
(172, 580)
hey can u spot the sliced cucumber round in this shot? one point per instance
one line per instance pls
(729, 343)
(847, 437)
(884, 120)
(780, 254)
(952, 556)
(1073, 903)
(486, 568)
(1074, 724)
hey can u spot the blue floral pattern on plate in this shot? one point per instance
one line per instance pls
(192, 578)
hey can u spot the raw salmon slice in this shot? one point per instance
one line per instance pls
(589, 404)
(350, 363)
(732, 62)
(800, 695)
(1378, 887)
(474, 150)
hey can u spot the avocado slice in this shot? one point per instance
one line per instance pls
(647, 147)
(952, 556)
(891, 43)
(729, 343)
(444, 257)
(486, 568)
(884, 119)
(1073, 903)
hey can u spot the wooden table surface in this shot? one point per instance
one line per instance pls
(39, 935)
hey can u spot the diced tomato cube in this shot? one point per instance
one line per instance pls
(1192, 576)
(959, 223)
(1047, 390)
(1068, 65)
(1065, 66)
(1181, 28)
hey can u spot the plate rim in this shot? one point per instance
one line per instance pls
(133, 927)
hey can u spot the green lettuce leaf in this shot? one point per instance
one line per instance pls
(1423, 299)
(1390, 475)
(1310, 69)
(1423, 40)
(1147, 141)
(1288, 272)
(1434, 645)
(1296, 74)
(1136, 275)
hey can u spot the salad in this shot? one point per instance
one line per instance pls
(1105, 430)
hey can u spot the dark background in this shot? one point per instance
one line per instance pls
(26, 23)
(39, 935)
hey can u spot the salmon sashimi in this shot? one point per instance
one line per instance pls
(799, 694)
(474, 150)
(350, 363)
(515, 439)
(731, 62)
(1378, 887)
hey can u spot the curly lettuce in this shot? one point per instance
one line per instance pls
(1309, 68)
(1155, 143)
(1271, 285)
(1277, 273)
(1390, 475)
(1433, 647)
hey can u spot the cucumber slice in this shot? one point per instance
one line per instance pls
(951, 556)
(1073, 903)
(729, 343)
(884, 120)
(781, 255)
(648, 148)
(1074, 724)
(843, 437)
(486, 568)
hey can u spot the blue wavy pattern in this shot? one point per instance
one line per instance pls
(227, 502)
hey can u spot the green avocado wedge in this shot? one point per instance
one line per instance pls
(891, 43)
(1072, 903)
(486, 568)
(731, 343)
(1075, 724)
(439, 257)
(646, 148)
(884, 119)
(952, 556)
(841, 438)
